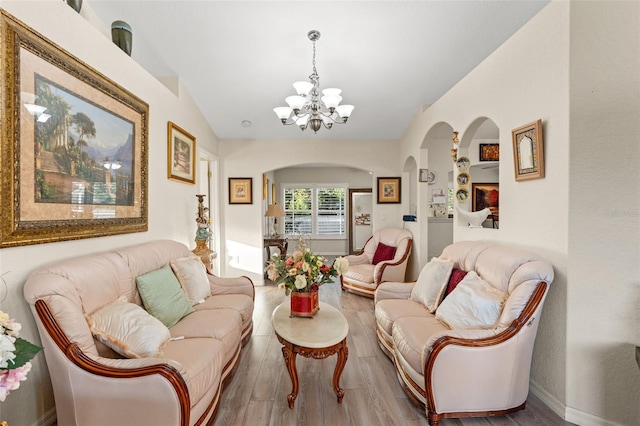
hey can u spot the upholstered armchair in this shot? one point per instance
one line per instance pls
(461, 337)
(383, 258)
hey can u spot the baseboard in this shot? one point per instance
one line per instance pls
(585, 419)
(569, 414)
(549, 400)
(49, 418)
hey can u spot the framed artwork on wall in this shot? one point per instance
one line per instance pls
(389, 190)
(74, 145)
(240, 191)
(528, 151)
(489, 152)
(485, 195)
(181, 154)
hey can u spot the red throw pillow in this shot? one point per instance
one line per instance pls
(456, 276)
(383, 252)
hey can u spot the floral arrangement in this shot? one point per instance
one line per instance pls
(15, 354)
(303, 271)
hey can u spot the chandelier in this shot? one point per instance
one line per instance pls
(307, 108)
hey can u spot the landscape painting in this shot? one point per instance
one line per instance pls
(84, 153)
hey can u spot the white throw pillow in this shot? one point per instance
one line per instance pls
(432, 283)
(192, 276)
(129, 330)
(473, 304)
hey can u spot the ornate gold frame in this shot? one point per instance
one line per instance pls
(25, 219)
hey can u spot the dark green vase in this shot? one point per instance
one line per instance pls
(75, 4)
(122, 36)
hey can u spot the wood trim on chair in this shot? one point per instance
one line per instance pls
(515, 326)
(74, 354)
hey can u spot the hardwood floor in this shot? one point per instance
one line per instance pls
(257, 394)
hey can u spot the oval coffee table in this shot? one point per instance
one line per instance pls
(319, 337)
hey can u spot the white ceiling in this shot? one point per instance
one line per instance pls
(238, 59)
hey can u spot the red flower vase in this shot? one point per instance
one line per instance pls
(304, 304)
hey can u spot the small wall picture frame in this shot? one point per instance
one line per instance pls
(389, 190)
(240, 190)
(489, 152)
(528, 151)
(181, 151)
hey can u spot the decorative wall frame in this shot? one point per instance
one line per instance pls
(265, 186)
(57, 183)
(240, 190)
(489, 152)
(485, 195)
(528, 151)
(181, 154)
(389, 190)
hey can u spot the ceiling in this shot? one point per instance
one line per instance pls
(238, 59)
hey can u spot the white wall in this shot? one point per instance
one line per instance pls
(242, 240)
(172, 205)
(603, 301)
(525, 79)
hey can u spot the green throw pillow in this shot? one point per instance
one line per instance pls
(162, 296)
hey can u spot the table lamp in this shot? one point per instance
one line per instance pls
(275, 211)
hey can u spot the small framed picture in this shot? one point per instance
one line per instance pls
(389, 190)
(181, 150)
(240, 191)
(528, 151)
(489, 152)
(485, 195)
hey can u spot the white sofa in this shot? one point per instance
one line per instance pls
(93, 384)
(465, 370)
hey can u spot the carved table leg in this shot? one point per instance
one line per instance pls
(343, 354)
(290, 362)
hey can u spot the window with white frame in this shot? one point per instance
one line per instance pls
(317, 211)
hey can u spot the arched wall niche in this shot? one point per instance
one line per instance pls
(481, 180)
(435, 155)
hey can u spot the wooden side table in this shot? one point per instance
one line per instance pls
(281, 243)
(319, 337)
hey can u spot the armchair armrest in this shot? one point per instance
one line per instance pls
(393, 290)
(358, 259)
(390, 270)
(235, 285)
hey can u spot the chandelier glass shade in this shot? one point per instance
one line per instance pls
(307, 108)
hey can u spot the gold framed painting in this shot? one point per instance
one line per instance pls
(240, 190)
(73, 160)
(389, 190)
(528, 151)
(181, 154)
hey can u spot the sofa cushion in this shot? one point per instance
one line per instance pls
(241, 303)
(192, 276)
(383, 252)
(432, 283)
(220, 324)
(389, 310)
(128, 329)
(473, 304)
(202, 359)
(162, 295)
(410, 335)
